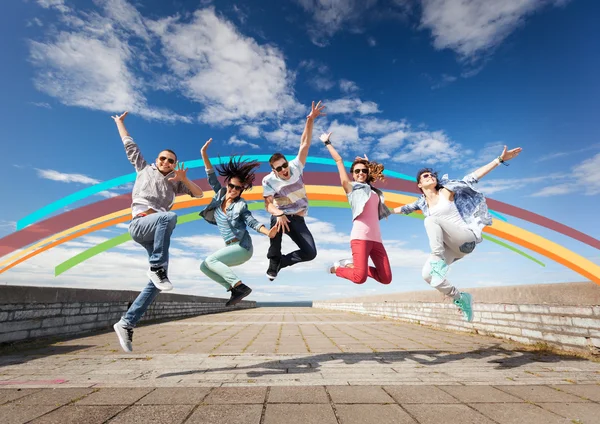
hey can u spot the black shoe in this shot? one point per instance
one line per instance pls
(238, 293)
(274, 267)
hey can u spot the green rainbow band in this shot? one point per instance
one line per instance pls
(194, 216)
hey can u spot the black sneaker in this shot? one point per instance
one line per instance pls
(274, 267)
(238, 293)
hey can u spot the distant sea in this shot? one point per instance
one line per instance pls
(284, 304)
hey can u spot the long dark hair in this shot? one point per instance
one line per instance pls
(243, 170)
(375, 170)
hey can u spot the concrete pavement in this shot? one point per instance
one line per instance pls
(288, 365)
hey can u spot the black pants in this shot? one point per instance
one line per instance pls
(301, 235)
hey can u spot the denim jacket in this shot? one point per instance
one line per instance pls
(470, 203)
(238, 214)
(359, 196)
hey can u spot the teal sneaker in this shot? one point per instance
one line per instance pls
(438, 272)
(465, 303)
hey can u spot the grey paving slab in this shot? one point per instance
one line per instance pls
(358, 394)
(299, 414)
(79, 414)
(7, 395)
(376, 414)
(447, 414)
(298, 395)
(541, 394)
(114, 396)
(18, 414)
(233, 395)
(586, 413)
(474, 394)
(517, 413)
(419, 394)
(153, 414)
(55, 397)
(175, 396)
(226, 414)
(586, 391)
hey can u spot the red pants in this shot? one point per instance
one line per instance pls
(361, 251)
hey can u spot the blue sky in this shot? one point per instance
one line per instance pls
(444, 83)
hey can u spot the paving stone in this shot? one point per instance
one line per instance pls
(298, 395)
(18, 414)
(540, 394)
(175, 396)
(79, 414)
(299, 414)
(419, 394)
(114, 396)
(155, 414)
(378, 414)
(584, 412)
(587, 391)
(472, 394)
(56, 397)
(232, 395)
(517, 413)
(358, 394)
(226, 414)
(7, 395)
(447, 414)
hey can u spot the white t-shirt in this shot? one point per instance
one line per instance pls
(288, 195)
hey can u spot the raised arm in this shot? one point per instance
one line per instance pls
(210, 172)
(307, 133)
(504, 157)
(344, 179)
(131, 148)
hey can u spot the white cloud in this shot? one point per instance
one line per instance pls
(392, 140)
(231, 74)
(372, 125)
(234, 141)
(332, 16)
(350, 106)
(42, 105)
(286, 136)
(252, 131)
(348, 86)
(584, 179)
(322, 83)
(470, 27)
(54, 4)
(444, 81)
(554, 190)
(51, 174)
(345, 137)
(372, 42)
(428, 148)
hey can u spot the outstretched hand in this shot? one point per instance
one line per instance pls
(205, 147)
(510, 154)
(273, 232)
(180, 173)
(363, 158)
(316, 110)
(325, 137)
(120, 118)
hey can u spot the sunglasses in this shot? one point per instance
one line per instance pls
(164, 158)
(359, 170)
(279, 168)
(427, 176)
(234, 187)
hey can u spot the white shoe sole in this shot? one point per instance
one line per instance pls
(162, 286)
(122, 341)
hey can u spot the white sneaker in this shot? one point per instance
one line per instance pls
(341, 263)
(159, 279)
(125, 335)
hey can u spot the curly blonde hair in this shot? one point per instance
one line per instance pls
(375, 170)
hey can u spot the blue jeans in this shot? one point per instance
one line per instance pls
(153, 232)
(301, 235)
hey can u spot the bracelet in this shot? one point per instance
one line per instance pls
(327, 142)
(499, 161)
(277, 216)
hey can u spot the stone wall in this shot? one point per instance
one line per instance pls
(561, 315)
(32, 312)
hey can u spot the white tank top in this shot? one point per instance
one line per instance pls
(447, 210)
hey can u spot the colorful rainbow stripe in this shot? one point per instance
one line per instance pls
(323, 190)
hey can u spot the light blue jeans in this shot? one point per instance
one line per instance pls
(153, 232)
(216, 266)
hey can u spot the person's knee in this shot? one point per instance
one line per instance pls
(170, 218)
(426, 274)
(386, 279)
(309, 254)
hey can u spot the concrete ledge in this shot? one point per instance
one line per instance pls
(29, 312)
(566, 315)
